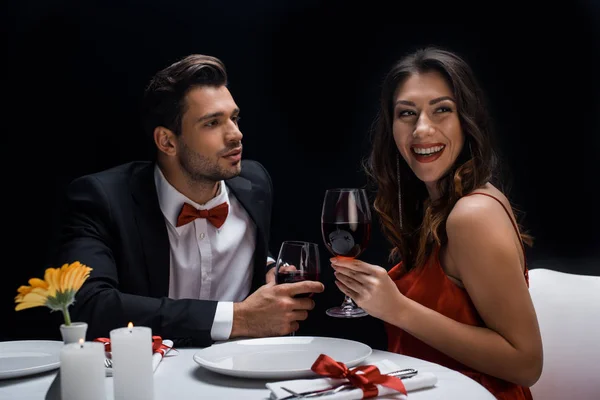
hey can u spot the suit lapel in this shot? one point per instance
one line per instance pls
(152, 230)
(242, 189)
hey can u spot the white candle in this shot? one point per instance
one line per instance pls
(133, 376)
(82, 371)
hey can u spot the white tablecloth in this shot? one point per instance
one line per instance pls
(180, 377)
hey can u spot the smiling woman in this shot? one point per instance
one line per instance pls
(426, 127)
(459, 296)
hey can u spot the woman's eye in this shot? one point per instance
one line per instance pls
(406, 113)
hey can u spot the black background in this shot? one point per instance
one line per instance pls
(306, 76)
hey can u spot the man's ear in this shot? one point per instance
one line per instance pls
(165, 140)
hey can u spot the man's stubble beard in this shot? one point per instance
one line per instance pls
(200, 169)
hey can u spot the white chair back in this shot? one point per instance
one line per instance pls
(568, 311)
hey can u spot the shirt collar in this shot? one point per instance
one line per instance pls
(171, 200)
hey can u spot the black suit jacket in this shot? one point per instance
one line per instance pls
(113, 224)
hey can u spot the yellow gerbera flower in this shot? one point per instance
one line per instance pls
(56, 291)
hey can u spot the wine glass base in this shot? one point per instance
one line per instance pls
(346, 312)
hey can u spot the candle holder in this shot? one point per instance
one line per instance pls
(72, 333)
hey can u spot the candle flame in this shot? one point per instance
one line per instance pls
(81, 342)
(130, 325)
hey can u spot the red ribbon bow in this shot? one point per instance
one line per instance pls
(157, 345)
(366, 380)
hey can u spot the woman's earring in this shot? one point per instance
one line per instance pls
(399, 191)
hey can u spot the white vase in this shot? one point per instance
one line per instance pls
(72, 333)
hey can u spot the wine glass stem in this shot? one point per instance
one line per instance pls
(348, 303)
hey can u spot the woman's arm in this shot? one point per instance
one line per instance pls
(481, 243)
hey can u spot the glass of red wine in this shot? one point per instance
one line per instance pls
(346, 229)
(297, 261)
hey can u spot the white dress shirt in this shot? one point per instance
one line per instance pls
(209, 263)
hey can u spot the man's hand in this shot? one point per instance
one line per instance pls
(270, 278)
(272, 310)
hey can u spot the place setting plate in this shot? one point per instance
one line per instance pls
(286, 357)
(27, 357)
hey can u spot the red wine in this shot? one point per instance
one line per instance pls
(296, 276)
(346, 239)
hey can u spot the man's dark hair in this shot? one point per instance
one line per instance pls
(164, 99)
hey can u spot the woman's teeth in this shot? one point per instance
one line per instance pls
(428, 151)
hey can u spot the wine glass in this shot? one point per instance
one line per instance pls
(346, 229)
(297, 261)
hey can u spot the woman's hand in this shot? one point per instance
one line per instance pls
(368, 285)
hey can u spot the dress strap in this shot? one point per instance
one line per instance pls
(514, 224)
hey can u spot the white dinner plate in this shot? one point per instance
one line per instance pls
(278, 357)
(28, 357)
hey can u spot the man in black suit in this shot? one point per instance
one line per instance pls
(181, 244)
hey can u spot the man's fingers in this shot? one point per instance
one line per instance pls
(303, 303)
(271, 274)
(300, 315)
(305, 287)
(294, 326)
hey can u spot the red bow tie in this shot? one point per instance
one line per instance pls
(215, 215)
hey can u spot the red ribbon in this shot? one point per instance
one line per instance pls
(366, 381)
(157, 345)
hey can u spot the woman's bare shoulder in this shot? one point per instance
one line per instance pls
(477, 207)
(480, 224)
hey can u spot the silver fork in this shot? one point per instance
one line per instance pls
(402, 374)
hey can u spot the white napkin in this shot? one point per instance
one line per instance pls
(156, 357)
(420, 381)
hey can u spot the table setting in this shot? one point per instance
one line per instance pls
(225, 370)
(133, 363)
(81, 368)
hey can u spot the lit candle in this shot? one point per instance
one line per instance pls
(82, 371)
(133, 376)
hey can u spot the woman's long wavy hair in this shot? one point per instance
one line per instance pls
(423, 221)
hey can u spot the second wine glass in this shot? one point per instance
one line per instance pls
(297, 261)
(346, 229)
